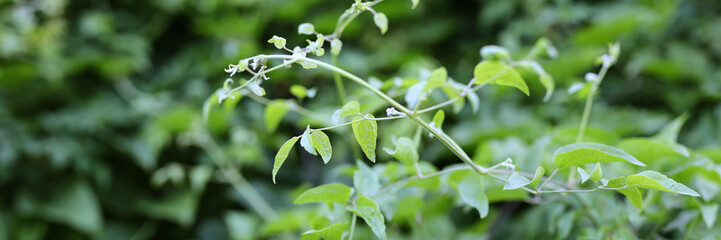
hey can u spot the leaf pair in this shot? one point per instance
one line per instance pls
(314, 141)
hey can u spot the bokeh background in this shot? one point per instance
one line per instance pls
(102, 136)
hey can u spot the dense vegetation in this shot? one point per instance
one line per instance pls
(107, 130)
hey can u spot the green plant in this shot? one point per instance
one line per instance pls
(367, 197)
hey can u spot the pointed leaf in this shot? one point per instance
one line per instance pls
(307, 142)
(328, 193)
(381, 21)
(274, 112)
(321, 143)
(669, 134)
(366, 132)
(436, 79)
(658, 181)
(584, 153)
(584, 175)
(282, 155)
(368, 210)
(516, 181)
(350, 108)
(597, 173)
(538, 176)
(494, 72)
(709, 212)
(405, 151)
(472, 194)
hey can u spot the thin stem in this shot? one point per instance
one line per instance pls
(338, 81)
(352, 227)
(547, 180)
(358, 120)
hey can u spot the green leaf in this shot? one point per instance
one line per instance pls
(494, 72)
(658, 181)
(438, 118)
(282, 155)
(365, 180)
(516, 181)
(299, 91)
(241, 226)
(436, 79)
(73, 204)
(584, 153)
(472, 194)
(415, 4)
(584, 175)
(279, 42)
(538, 176)
(405, 151)
(350, 108)
(335, 46)
(321, 143)
(381, 21)
(328, 193)
(709, 212)
(669, 134)
(274, 112)
(332, 232)
(597, 173)
(366, 133)
(367, 209)
(632, 193)
(306, 29)
(307, 142)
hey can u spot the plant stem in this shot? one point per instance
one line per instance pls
(352, 227)
(338, 82)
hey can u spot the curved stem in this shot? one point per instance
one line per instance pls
(338, 82)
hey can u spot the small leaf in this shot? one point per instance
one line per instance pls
(538, 176)
(321, 143)
(350, 108)
(658, 181)
(381, 21)
(335, 46)
(472, 194)
(437, 78)
(415, 4)
(632, 193)
(709, 212)
(332, 232)
(274, 112)
(597, 173)
(365, 180)
(307, 142)
(584, 153)
(298, 91)
(306, 29)
(493, 52)
(438, 118)
(516, 181)
(282, 155)
(368, 210)
(584, 175)
(366, 133)
(405, 151)
(279, 42)
(328, 193)
(494, 72)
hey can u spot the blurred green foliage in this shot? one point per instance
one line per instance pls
(101, 134)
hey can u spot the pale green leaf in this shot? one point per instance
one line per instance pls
(368, 210)
(658, 181)
(709, 213)
(307, 142)
(538, 176)
(438, 118)
(415, 4)
(208, 105)
(328, 193)
(381, 21)
(350, 108)
(405, 151)
(584, 153)
(437, 78)
(472, 194)
(365, 180)
(298, 91)
(597, 173)
(279, 42)
(584, 175)
(332, 232)
(494, 72)
(282, 155)
(335, 46)
(516, 181)
(321, 144)
(306, 29)
(366, 133)
(274, 112)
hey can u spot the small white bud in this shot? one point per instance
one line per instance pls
(590, 77)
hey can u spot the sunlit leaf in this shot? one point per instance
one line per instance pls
(538, 176)
(584, 153)
(596, 173)
(584, 175)
(366, 133)
(494, 72)
(306, 141)
(328, 193)
(381, 21)
(658, 181)
(321, 144)
(350, 108)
